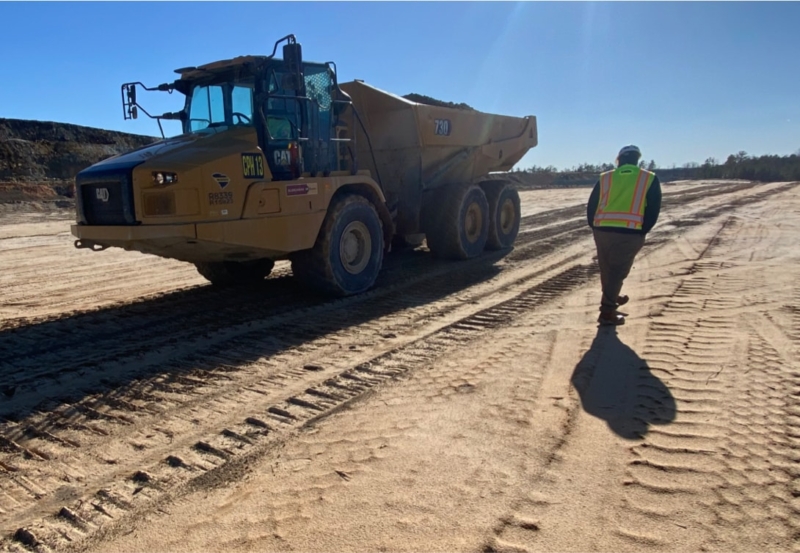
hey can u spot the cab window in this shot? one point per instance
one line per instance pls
(242, 105)
(207, 107)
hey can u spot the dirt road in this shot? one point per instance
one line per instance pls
(457, 407)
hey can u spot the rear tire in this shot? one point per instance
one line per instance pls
(348, 253)
(457, 222)
(230, 273)
(504, 216)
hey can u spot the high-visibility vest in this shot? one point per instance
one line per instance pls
(622, 197)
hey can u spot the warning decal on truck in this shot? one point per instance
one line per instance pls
(309, 189)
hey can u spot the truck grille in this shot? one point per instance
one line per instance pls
(106, 200)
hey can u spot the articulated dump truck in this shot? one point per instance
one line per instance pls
(278, 160)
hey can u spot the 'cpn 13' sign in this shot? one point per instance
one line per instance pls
(252, 166)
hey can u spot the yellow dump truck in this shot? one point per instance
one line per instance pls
(278, 160)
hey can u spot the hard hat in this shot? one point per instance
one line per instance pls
(630, 149)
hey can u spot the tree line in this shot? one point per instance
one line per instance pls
(736, 166)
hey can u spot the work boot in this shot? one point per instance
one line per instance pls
(622, 300)
(610, 318)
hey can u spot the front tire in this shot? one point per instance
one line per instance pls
(348, 253)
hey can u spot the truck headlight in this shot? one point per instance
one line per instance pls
(162, 178)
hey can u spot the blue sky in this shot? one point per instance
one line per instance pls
(683, 80)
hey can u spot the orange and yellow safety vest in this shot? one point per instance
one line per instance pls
(622, 197)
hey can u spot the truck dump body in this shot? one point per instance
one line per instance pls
(420, 147)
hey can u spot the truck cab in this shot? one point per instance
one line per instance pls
(275, 161)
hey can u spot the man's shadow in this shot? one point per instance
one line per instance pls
(616, 385)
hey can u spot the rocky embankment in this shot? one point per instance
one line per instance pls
(39, 159)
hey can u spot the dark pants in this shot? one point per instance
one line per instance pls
(615, 254)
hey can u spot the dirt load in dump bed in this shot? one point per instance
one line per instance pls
(422, 99)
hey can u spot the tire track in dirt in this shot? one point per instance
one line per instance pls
(218, 458)
(398, 268)
(519, 530)
(732, 435)
(71, 281)
(761, 451)
(379, 443)
(32, 376)
(154, 323)
(516, 530)
(24, 379)
(676, 464)
(133, 409)
(148, 319)
(692, 348)
(178, 386)
(88, 415)
(71, 284)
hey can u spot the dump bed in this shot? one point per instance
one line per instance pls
(418, 147)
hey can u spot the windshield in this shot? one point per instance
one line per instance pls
(220, 104)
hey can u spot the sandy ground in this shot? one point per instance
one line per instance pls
(458, 407)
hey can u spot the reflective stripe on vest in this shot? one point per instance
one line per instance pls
(623, 194)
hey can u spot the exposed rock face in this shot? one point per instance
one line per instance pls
(39, 150)
(39, 159)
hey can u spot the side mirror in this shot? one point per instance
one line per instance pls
(129, 110)
(131, 92)
(293, 57)
(293, 60)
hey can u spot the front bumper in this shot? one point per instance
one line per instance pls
(273, 237)
(111, 234)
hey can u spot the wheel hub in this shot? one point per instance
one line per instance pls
(473, 222)
(507, 216)
(355, 247)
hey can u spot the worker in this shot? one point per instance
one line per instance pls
(623, 207)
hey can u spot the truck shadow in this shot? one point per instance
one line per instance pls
(616, 385)
(161, 343)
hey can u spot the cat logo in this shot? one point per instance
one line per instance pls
(101, 194)
(222, 180)
(282, 157)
